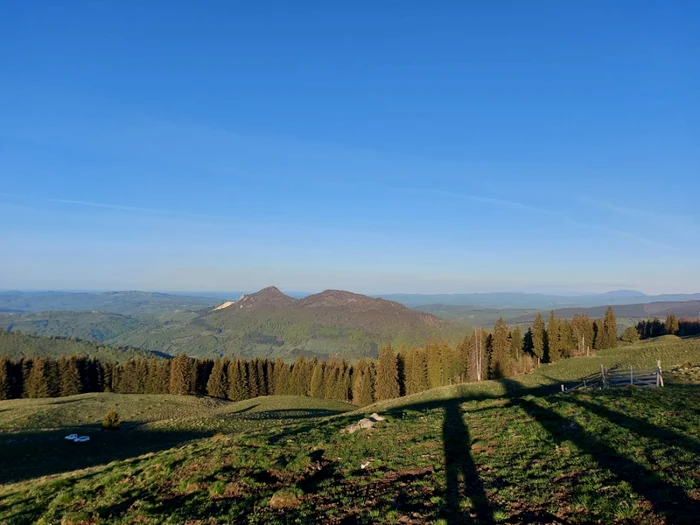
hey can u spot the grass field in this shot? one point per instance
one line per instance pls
(468, 453)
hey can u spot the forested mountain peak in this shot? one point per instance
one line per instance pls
(267, 297)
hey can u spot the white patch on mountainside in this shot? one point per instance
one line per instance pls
(224, 305)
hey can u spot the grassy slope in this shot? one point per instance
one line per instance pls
(442, 455)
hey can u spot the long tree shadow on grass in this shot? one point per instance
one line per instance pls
(665, 497)
(31, 454)
(459, 461)
(640, 426)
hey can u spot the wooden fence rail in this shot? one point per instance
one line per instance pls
(618, 377)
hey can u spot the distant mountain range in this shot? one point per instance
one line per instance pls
(507, 300)
(115, 302)
(269, 323)
(633, 311)
(272, 324)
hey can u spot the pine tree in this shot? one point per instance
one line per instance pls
(478, 364)
(401, 364)
(181, 375)
(217, 385)
(462, 359)
(236, 387)
(538, 338)
(38, 380)
(516, 343)
(671, 325)
(6, 383)
(567, 341)
(331, 377)
(26, 366)
(253, 378)
(387, 379)
(69, 376)
(282, 377)
(108, 373)
(141, 381)
(434, 364)
(362, 382)
(553, 335)
(419, 371)
(609, 336)
(316, 388)
(500, 351)
(262, 377)
(447, 364)
(345, 384)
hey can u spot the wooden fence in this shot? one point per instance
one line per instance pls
(617, 377)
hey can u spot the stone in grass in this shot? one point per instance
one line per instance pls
(367, 422)
(286, 498)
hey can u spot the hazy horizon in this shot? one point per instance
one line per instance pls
(301, 293)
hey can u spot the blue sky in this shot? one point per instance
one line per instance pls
(373, 146)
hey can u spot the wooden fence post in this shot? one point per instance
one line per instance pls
(602, 376)
(631, 376)
(659, 375)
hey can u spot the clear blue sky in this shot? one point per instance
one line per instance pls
(372, 146)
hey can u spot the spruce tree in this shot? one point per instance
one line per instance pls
(462, 358)
(516, 343)
(671, 325)
(108, 370)
(345, 384)
(262, 377)
(447, 365)
(69, 376)
(217, 386)
(38, 380)
(316, 388)
(141, 381)
(434, 364)
(538, 338)
(330, 380)
(478, 363)
(6, 383)
(253, 378)
(282, 377)
(362, 380)
(236, 386)
(500, 351)
(401, 365)
(609, 336)
(181, 375)
(387, 379)
(419, 371)
(553, 335)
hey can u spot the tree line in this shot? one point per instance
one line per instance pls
(481, 355)
(672, 325)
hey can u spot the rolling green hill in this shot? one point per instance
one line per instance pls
(271, 324)
(98, 326)
(16, 345)
(115, 302)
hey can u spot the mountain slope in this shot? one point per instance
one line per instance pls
(16, 345)
(98, 326)
(116, 302)
(270, 324)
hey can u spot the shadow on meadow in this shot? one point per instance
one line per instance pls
(33, 453)
(666, 498)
